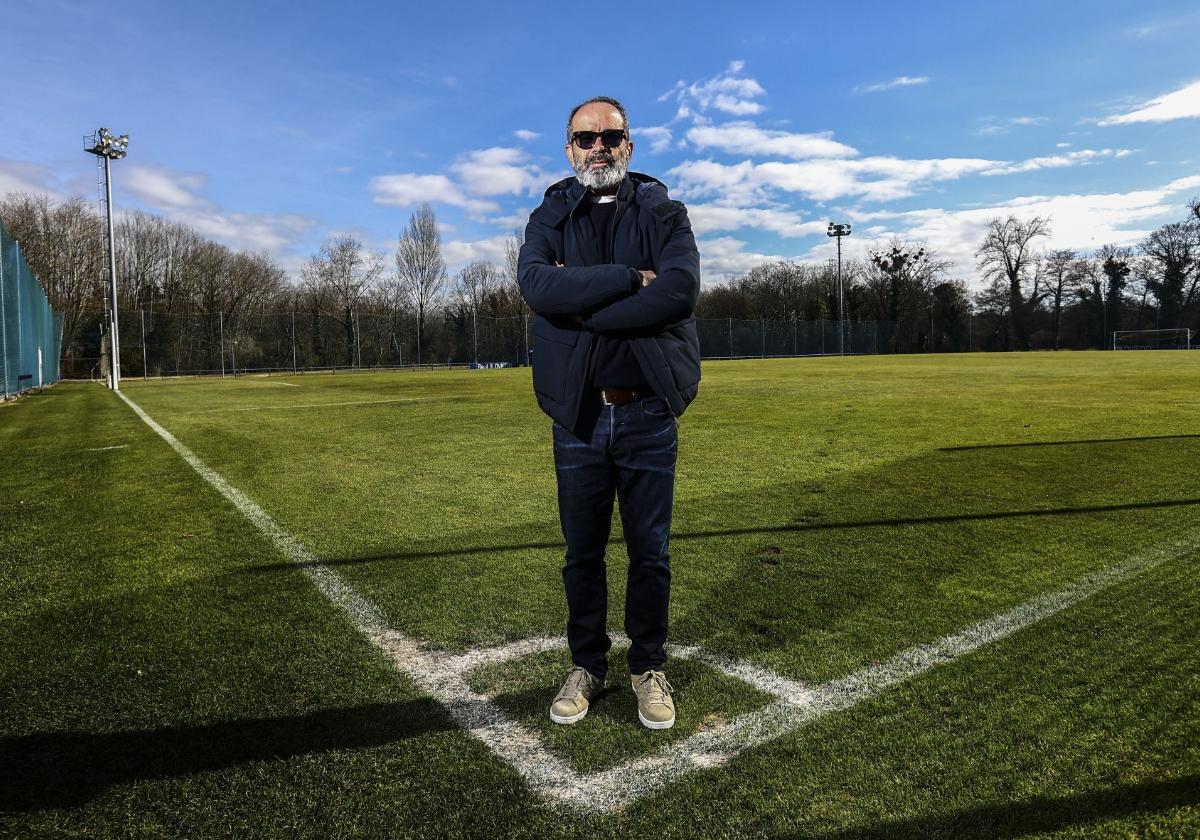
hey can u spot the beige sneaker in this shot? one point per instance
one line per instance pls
(571, 703)
(656, 710)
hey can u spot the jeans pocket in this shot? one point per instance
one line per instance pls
(656, 407)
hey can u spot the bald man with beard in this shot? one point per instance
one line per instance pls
(610, 268)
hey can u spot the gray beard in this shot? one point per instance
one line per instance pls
(602, 179)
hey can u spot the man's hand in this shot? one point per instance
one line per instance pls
(647, 277)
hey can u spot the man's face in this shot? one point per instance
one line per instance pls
(598, 167)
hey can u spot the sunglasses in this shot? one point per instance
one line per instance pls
(611, 139)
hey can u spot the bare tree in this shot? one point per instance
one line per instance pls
(66, 248)
(475, 285)
(420, 266)
(346, 271)
(508, 301)
(1171, 255)
(1062, 267)
(900, 284)
(1007, 252)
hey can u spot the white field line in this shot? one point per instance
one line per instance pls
(443, 676)
(307, 405)
(107, 448)
(543, 771)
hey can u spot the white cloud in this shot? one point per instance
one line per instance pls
(748, 139)
(1082, 222)
(713, 218)
(178, 196)
(1062, 145)
(658, 136)
(899, 81)
(163, 188)
(408, 189)
(22, 176)
(247, 231)
(725, 257)
(513, 221)
(459, 252)
(877, 178)
(1004, 126)
(1177, 105)
(1082, 156)
(498, 171)
(526, 135)
(729, 92)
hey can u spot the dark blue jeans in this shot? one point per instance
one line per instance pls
(627, 452)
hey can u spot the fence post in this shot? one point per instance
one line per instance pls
(145, 373)
(731, 338)
(795, 331)
(294, 341)
(822, 323)
(525, 320)
(221, 326)
(358, 339)
(475, 332)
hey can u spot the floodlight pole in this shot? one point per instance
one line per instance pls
(111, 148)
(840, 230)
(114, 343)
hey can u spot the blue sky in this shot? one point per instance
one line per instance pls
(271, 126)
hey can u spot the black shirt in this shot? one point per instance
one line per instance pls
(613, 363)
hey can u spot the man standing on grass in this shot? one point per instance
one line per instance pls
(611, 271)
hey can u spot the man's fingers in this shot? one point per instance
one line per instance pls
(648, 277)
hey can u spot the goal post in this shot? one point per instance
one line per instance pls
(1171, 339)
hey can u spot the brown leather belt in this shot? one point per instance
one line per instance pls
(621, 396)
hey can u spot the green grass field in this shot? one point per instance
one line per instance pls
(167, 671)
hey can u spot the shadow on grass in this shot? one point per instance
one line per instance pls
(1039, 815)
(1063, 442)
(892, 522)
(68, 769)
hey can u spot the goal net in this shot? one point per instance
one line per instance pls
(1176, 339)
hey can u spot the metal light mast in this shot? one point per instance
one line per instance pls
(111, 148)
(840, 230)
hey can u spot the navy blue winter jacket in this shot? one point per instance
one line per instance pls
(575, 296)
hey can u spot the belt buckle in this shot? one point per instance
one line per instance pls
(604, 397)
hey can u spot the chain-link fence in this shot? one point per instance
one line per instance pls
(30, 332)
(166, 344)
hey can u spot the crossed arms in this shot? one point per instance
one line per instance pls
(612, 298)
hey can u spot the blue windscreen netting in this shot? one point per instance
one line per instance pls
(30, 332)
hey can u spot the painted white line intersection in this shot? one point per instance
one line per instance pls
(444, 676)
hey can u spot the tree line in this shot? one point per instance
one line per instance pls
(1032, 297)
(203, 298)
(355, 305)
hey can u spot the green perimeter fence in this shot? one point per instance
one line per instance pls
(30, 332)
(166, 344)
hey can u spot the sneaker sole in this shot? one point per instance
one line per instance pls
(655, 724)
(570, 719)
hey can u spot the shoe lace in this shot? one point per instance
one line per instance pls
(655, 686)
(573, 687)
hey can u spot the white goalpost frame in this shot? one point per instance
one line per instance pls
(1184, 332)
